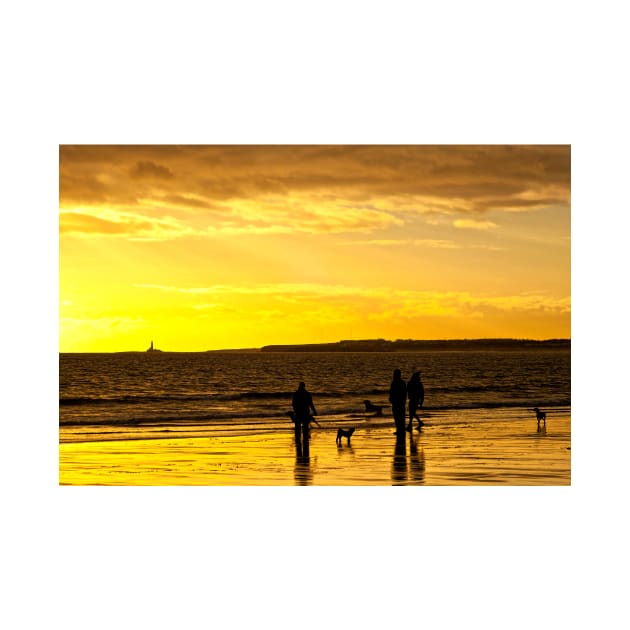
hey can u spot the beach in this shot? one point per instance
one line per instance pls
(465, 449)
(220, 419)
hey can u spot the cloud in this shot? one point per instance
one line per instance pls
(280, 289)
(205, 307)
(316, 189)
(474, 224)
(148, 169)
(111, 223)
(101, 324)
(424, 242)
(273, 216)
(401, 303)
(462, 304)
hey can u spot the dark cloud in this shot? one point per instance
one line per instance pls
(462, 178)
(185, 201)
(150, 170)
(80, 188)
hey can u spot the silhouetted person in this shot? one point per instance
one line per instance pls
(415, 392)
(398, 399)
(302, 405)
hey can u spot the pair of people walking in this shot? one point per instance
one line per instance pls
(399, 392)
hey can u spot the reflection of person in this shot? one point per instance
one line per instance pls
(398, 398)
(399, 466)
(415, 391)
(302, 405)
(417, 466)
(407, 470)
(302, 472)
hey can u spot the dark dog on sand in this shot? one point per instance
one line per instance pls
(540, 415)
(341, 433)
(370, 408)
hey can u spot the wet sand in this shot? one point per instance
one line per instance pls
(509, 452)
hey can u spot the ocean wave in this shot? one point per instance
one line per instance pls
(263, 415)
(131, 399)
(208, 397)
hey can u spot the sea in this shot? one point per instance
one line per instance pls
(112, 396)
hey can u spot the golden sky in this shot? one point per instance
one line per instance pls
(208, 247)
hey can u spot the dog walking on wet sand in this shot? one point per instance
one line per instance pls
(344, 433)
(540, 415)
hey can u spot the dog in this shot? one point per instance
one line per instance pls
(341, 433)
(540, 415)
(370, 408)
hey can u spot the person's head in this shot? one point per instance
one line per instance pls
(301, 385)
(397, 373)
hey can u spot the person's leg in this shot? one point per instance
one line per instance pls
(305, 439)
(298, 438)
(399, 419)
(413, 406)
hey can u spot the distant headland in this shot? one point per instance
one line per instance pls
(413, 345)
(384, 345)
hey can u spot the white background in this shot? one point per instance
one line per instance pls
(313, 72)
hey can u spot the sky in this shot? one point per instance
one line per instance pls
(208, 247)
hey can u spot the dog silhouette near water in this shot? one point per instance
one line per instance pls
(540, 415)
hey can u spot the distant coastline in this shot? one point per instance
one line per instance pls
(413, 345)
(384, 345)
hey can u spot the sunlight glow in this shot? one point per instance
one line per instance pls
(230, 247)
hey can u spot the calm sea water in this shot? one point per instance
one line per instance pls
(114, 391)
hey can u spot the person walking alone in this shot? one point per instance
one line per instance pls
(302, 405)
(398, 399)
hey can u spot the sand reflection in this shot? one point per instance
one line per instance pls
(508, 452)
(302, 472)
(407, 470)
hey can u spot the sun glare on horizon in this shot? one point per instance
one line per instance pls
(210, 247)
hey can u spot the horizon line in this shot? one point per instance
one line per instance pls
(328, 343)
